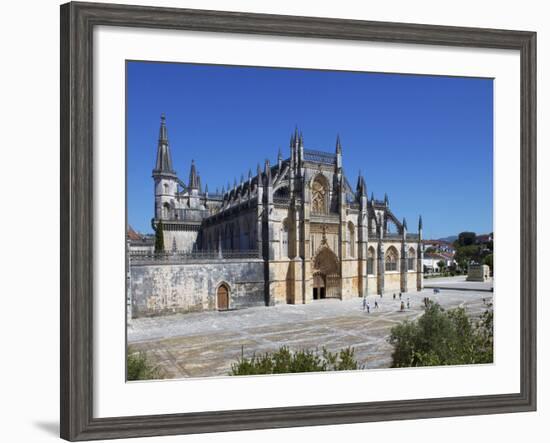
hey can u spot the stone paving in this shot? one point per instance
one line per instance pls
(207, 343)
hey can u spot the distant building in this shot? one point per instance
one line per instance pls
(431, 261)
(484, 238)
(139, 242)
(438, 246)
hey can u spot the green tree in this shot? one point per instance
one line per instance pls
(442, 337)
(159, 237)
(441, 265)
(285, 361)
(466, 254)
(466, 239)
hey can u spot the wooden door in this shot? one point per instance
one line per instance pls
(223, 298)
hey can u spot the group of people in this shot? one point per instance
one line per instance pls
(366, 305)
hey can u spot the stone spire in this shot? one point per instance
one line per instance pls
(193, 178)
(386, 199)
(267, 171)
(419, 223)
(259, 174)
(372, 196)
(338, 154)
(404, 223)
(361, 186)
(164, 159)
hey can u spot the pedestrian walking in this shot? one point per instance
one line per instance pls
(375, 304)
(402, 306)
(368, 308)
(400, 296)
(364, 303)
(394, 295)
(408, 303)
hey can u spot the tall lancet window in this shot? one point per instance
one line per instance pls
(351, 240)
(411, 259)
(392, 258)
(284, 238)
(371, 261)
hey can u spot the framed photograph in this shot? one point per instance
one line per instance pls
(272, 221)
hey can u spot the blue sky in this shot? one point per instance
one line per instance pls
(425, 140)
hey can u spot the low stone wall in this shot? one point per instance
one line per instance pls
(157, 289)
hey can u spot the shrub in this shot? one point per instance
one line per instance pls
(442, 337)
(286, 361)
(139, 367)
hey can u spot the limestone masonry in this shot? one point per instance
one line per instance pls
(294, 232)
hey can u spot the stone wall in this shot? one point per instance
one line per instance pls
(157, 289)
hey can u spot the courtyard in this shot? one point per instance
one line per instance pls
(207, 343)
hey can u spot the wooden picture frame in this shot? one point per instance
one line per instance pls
(77, 23)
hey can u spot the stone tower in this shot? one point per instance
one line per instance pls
(164, 176)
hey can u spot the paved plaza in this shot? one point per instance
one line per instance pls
(207, 343)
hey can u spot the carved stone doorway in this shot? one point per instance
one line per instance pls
(319, 287)
(327, 281)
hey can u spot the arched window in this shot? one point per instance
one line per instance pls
(284, 238)
(392, 258)
(351, 240)
(165, 210)
(319, 195)
(371, 261)
(282, 193)
(411, 260)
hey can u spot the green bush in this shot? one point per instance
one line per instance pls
(442, 337)
(139, 367)
(286, 361)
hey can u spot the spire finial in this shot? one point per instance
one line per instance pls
(338, 144)
(420, 223)
(404, 223)
(386, 200)
(280, 155)
(193, 177)
(164, 160)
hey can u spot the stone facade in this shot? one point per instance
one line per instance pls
(294, 232)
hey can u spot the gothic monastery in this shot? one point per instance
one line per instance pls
(296, 231)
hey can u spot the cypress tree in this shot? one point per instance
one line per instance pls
(159, 237)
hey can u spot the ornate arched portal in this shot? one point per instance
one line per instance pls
(326, 275)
